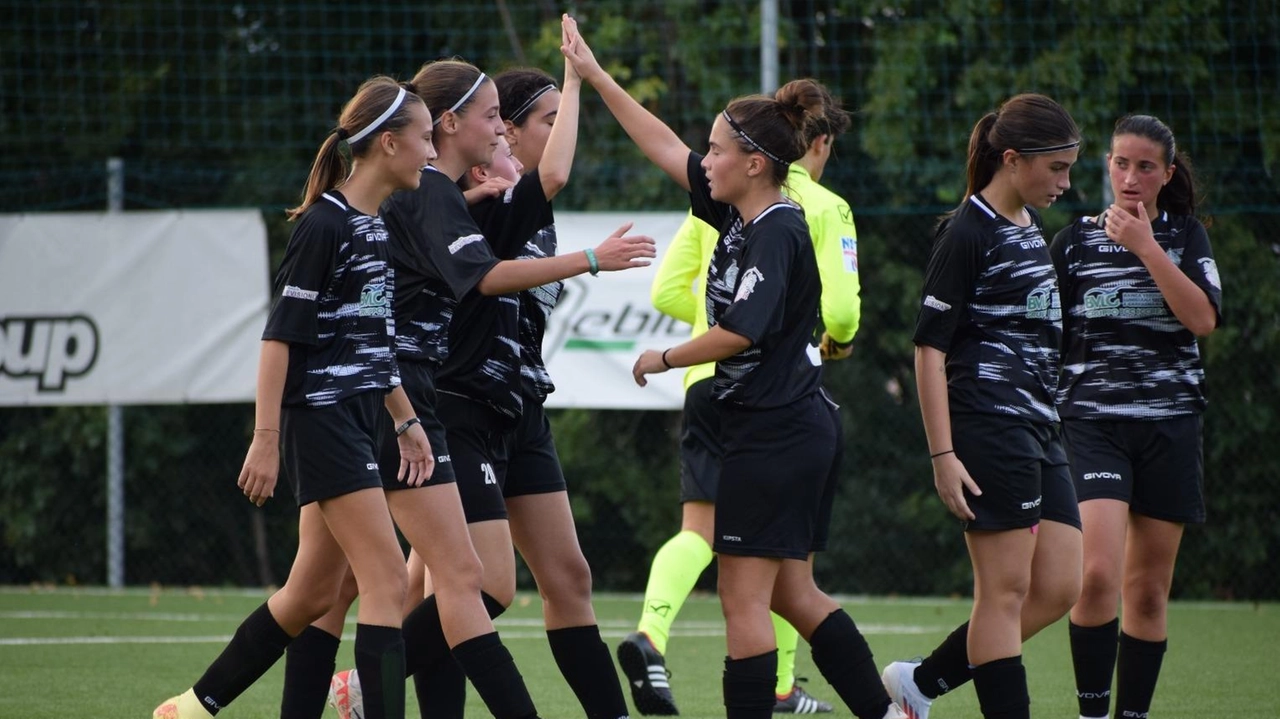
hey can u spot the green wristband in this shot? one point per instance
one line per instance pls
(592, 264)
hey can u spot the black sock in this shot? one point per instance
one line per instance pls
(492, 672)
(442, 685)
(587, 665)
(309, 663)
(1002, 689)
(843, 657)
(442, 693)
(1093, 654)
(1137, 670)
(749, 685)
(948, 666)
(257, 644)
(424, 643)
(380, 661)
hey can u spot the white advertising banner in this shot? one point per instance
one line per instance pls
(603, 323)
(131, 307)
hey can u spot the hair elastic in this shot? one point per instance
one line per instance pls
(465, 96)
(742, 133)
(378, 122)
(528, 104)
(1053, 148)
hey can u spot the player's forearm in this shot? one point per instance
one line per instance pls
(714, 345)
(273, 365)
(931, 387)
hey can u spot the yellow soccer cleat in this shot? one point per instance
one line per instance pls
(183, 706)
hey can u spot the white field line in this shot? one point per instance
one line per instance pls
(510, 628)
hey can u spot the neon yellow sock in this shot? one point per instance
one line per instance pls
(787, 638)
(676, 568)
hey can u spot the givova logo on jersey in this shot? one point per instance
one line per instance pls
(1044, 304)
(374, 301)
(51, 349)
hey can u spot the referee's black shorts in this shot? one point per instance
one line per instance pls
(778, 479)
(331, 451)
(419, 384)
(1021, 468)
(700, 448)
(1155, 466)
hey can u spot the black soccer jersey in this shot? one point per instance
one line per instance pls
(440, 255)
(763, 284)
(333, 305)
(1125, 354)
(990, 303)
(486, 353)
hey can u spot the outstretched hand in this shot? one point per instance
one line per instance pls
(622, 251)
(576, 51)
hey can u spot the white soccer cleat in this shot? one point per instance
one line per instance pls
(900, 682)
(345, 695)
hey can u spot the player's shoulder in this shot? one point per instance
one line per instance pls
(327, 214)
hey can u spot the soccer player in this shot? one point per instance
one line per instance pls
(779, 430)
(987, 360)
(1139, 284)
(677, 291)
(326, 369)
(459, 313)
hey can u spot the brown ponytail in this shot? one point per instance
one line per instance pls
(331, 167)
(776, 126)
(1028, 124)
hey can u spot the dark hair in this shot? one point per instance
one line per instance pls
(441, 84)
(776, 126)
(1028, 123)
(1178, 197)
(331, 168)
(518, 89)
(834, 121)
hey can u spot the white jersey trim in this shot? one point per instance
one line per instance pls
(334, 200)
(983, 206)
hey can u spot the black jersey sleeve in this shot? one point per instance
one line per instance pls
(1199, 265)
(462, 255)
(305, 272)
(704, 208)
(953, 270)
(759, 302)
(509, 220)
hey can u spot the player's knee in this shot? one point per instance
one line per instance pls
(572, 582)
(1146, 601)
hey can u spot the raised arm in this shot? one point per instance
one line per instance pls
(557, 156)
(657, 141)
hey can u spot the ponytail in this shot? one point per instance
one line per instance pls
(984, 159)
(1178, 197)
(380, 105)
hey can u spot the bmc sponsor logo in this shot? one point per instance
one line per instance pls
(374, 301)
(1112, 476)
(1101, 303)
(51, 349)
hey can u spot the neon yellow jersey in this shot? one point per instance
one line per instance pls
(678, 289)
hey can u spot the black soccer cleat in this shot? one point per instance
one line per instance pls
(647, 676)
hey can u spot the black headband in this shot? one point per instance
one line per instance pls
(1053, 148)
(742, 133)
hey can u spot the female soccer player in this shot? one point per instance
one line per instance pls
(779, 430)
(456, 300)
(677, 291)
(327, 366)
(987, 359)
(527, 499)
(1139, 284)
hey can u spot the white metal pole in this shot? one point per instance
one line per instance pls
(115, 425)
(768, 46)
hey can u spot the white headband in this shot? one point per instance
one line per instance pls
(466, 96)
(515, 116)
(378, 122)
